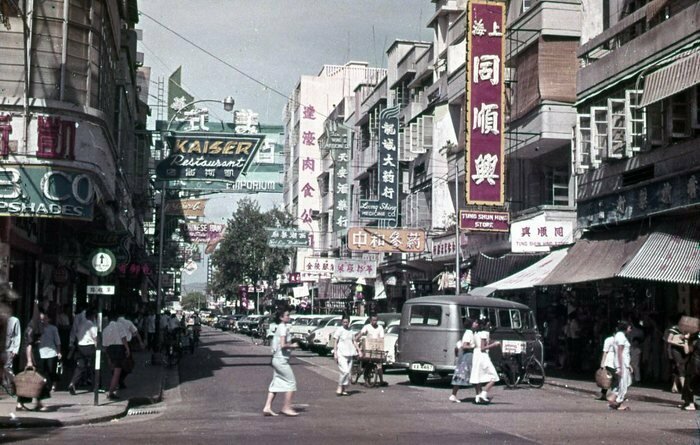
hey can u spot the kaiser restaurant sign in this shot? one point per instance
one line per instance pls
(208, 156)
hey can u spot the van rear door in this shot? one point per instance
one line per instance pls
(423, 335)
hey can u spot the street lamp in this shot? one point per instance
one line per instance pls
(228, 103)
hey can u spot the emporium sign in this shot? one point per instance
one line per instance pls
(369, 239)
(208, 156)
(386, 208)
(485, 99)
(45, 192)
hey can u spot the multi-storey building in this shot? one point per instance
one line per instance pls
(74, 151)
(635, 154)
(312, 101)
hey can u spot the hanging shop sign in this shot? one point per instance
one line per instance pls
(45, 192)
(370, 239)
(202, 232)
(485, 99)
(185, 207)
(386, 208)
(318, 266)
(355, 268)
(484, 221)
(539, 234)
(287, 237)
(208, 156)
(338, 143)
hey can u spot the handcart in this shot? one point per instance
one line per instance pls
(368, 364)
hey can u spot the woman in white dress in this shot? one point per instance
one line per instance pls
(283, 378)
(343, 353)
(483, 371)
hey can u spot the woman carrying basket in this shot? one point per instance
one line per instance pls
(32, 337)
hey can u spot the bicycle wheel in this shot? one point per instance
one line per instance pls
(508, 374)
(534, 373)
(355, 372)
(370, 375)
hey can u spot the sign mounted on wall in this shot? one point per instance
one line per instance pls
(486, 101)
(371, 239)
(208, 156)
(386, 208)
(45, 192)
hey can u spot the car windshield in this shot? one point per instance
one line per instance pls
(393, 329)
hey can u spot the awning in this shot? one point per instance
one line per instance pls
(670, 254)
(601, 256)
(489, 269)
(533, 275)
(680, 75)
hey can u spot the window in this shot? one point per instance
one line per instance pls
(516, 321)
(680, 115)
(426, 315)
(582, 137)
(656, 127)
(635, 120)
(599, 134)
(526, 5)
(504, 318)
(617, 128)
(473, 313)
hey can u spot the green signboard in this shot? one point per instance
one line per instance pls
(287, 237)
(45, 192)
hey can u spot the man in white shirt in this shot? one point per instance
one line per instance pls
(12, 342)
(85, 338)
(374, 331)
(114, 341)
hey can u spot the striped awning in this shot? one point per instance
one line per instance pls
(670, 254)
(488, 269)
(600, 257)
(680, 75)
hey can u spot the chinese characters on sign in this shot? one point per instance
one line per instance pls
(370, 239)
(538, 235)
(355, 268)
(338, 144)
(319, 266)
(386, 208)
(307, 191)
(287, 237)
(485, 98)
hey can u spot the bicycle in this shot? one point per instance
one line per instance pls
(173, 351)
(516, 369)
(367, 367)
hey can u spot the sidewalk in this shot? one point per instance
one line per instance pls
(144, 386)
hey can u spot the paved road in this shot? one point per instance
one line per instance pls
(222, 387)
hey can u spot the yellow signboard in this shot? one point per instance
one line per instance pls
(371, 239)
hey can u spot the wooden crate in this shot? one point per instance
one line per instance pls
(373, 344)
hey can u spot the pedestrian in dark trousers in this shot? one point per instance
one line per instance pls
(691, 385)
(49, 350)
(32, 338)
(83, 348)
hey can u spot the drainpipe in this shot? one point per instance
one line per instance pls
(27, 20)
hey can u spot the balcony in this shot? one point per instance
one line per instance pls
(374, 99)
(424, 68)
(543, 130)
(611, 57)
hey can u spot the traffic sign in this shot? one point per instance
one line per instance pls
(100, 290)
(102, 262)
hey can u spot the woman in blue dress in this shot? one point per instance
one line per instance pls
(283, 378)
(463, 365)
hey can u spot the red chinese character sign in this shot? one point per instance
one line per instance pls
(485, 103)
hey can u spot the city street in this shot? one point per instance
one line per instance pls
(222, 387)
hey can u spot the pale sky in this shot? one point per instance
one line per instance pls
(273, 41)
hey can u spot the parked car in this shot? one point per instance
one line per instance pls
(244, 325)
(391, 336)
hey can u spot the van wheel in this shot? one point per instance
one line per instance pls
(417, 378)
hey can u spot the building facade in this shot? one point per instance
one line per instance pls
(74, 149)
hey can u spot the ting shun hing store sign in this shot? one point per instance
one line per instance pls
(208, 156)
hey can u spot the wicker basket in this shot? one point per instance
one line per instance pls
(29, 383)
(603, 378)
(689, 325)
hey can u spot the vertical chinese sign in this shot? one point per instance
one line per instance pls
(485, 103)
(308, 155)
(386, 208)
